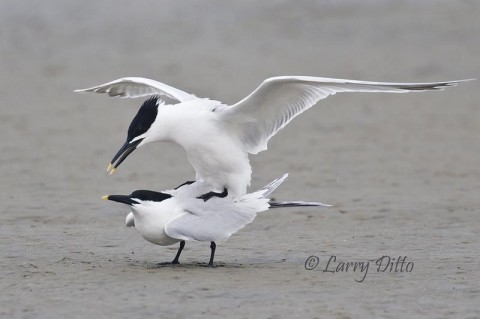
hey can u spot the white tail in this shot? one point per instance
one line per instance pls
(268, 189)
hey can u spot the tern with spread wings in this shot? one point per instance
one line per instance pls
(218, 138)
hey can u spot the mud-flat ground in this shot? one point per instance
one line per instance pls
(402, 169)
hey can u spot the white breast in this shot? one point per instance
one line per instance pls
(215, 153)
(151, 219)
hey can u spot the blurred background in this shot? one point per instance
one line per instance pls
(220, 51)
(402, 167)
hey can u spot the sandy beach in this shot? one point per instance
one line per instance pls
(401, 169)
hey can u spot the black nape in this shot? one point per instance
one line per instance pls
(150, 195)
(209, 195)
(144, 119)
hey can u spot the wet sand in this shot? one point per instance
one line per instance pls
(402, 169)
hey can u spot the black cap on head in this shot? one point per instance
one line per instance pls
(140, 124)
(146, 195)
(139, 195)
(144, 119)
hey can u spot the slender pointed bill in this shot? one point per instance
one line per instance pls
(122, 154)
(124, 199)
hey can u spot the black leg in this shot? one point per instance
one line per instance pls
(209, 195)
(182, 244)
(186, 183)
(212, 247)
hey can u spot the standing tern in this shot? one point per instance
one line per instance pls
(165, 218)
(217, 138)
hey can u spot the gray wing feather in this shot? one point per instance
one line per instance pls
(207, 223)
(134, 87)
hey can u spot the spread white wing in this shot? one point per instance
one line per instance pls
(133, 87)
(278, 100)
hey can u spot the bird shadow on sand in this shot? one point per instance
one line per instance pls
(189, 265)
(204, 265)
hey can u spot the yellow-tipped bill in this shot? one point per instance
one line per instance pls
(110, 169)
(122, 154)
(105, 197)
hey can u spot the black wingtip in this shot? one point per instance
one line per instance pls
(435, 86)
(285, 204)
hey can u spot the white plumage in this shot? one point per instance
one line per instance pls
(218, 138)
(167, 217)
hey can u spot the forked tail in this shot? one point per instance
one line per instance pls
(268, 189)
